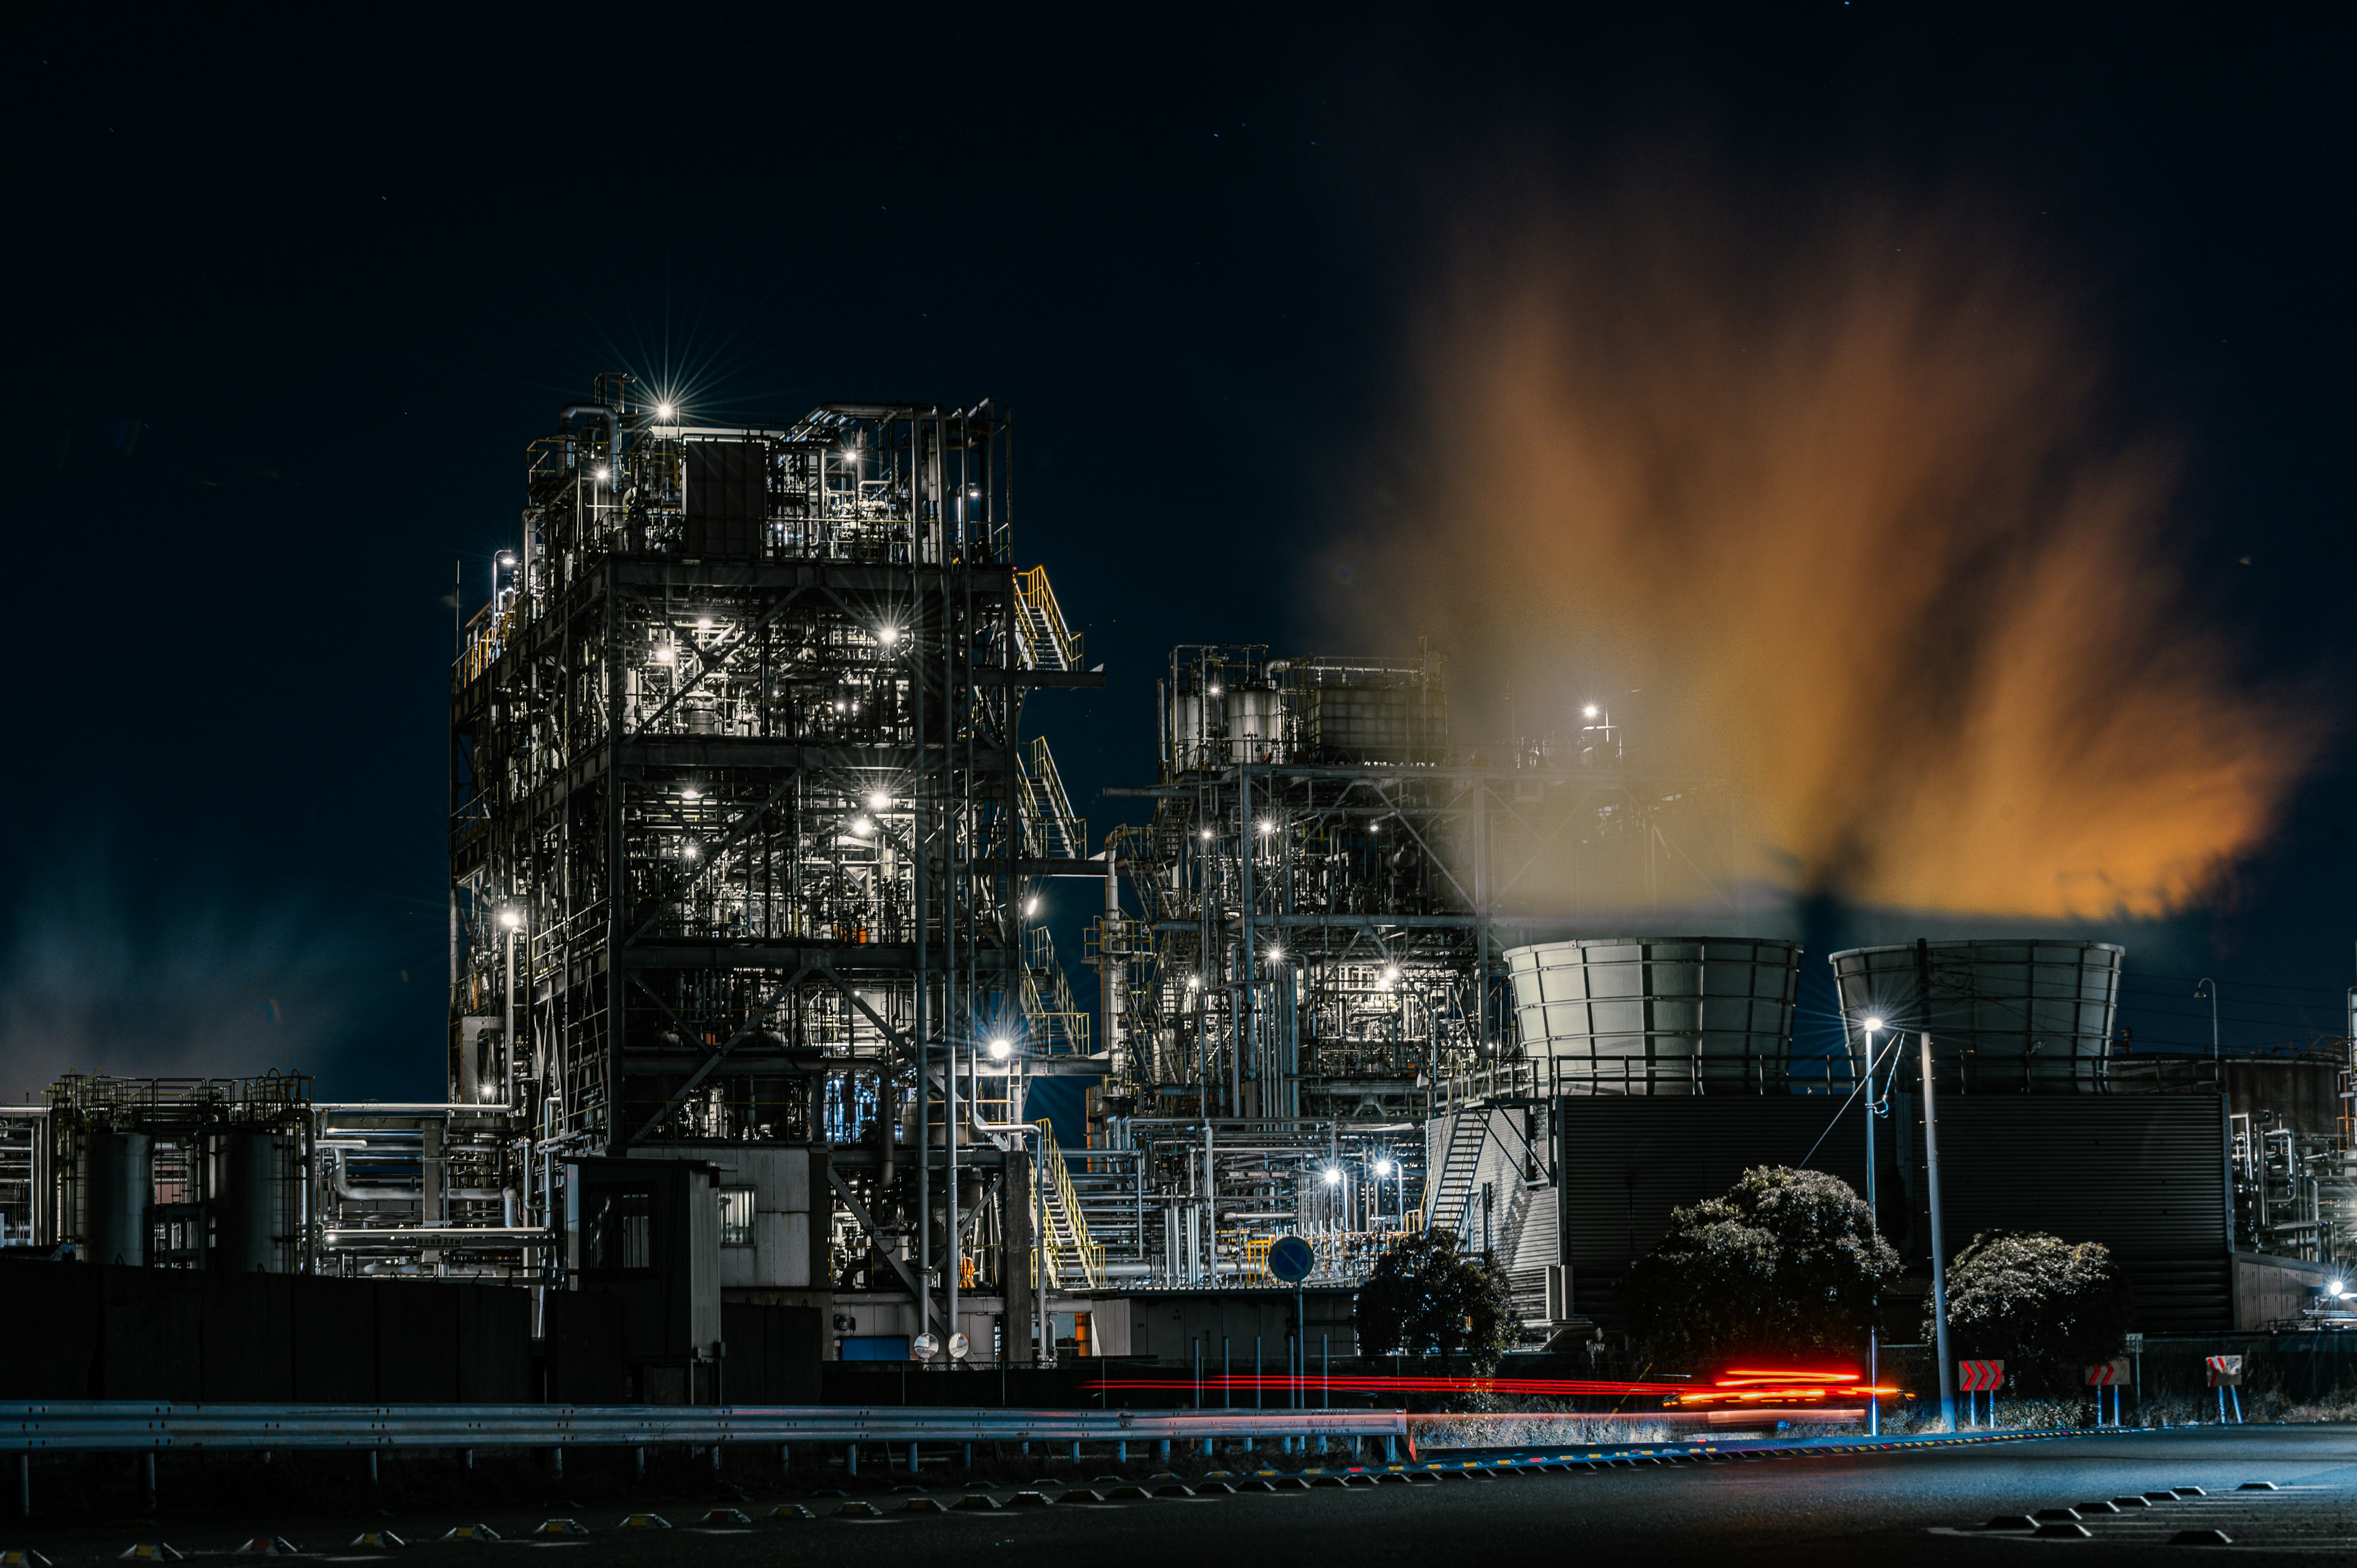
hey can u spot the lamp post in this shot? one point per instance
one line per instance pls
(2206, 984)
(1874, 1229)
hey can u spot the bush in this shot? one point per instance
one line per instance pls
(1789, 1261)
(2048, 1309)
(1425, 1297)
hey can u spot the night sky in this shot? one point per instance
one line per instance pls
(290, 302)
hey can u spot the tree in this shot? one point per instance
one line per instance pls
(2047, 1308)
(1787, 1262)
(1425, 1297)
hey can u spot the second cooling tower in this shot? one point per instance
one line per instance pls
(1658, 1014)
(2003, 1016)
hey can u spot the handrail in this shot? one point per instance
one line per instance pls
(67, 1426)
(1043, 614)
(1091, 1256)
(1044, 788)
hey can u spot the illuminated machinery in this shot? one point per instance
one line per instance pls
(742, 825)
(1306, 1004)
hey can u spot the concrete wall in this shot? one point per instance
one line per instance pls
(1167, 1325)
(2272, 1293)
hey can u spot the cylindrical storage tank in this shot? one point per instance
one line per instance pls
(1256, 723)
(245, 1231)
(1658, 1014)
(1186, 735)
(120, 1183)
(2003, 1016)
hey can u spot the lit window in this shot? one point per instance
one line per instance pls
(736, 1215)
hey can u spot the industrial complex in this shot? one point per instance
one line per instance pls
(753, 811)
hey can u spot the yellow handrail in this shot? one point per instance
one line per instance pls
(1033, 593)
(1091, 1255)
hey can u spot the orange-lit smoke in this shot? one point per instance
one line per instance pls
(1842, 507)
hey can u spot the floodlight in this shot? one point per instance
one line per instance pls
(690, 851)
(705, 624)
(880, 801)
(663, 655)
(861, 826)
(687, 792)
(1265, 826)
(1205, 836)
(1031, 907)
(511, 919)
(1382, 1167)
(1000, 1046)
(1333, 1176)
(662, 410)
(604, 474)
(887, 635)
(1214, 690)
(1275, 953)
(1874, 1025)
(1589, 710)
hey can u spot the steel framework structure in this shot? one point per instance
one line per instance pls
(741, 814)
(1303, 966)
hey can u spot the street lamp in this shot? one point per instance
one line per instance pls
(1873, 1026)
(2206, 983)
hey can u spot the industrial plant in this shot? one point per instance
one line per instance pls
(752, 815)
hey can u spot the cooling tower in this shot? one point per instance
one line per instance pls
(2005, 1017)
(1658, 1014)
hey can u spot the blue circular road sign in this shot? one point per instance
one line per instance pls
(1290, 1259)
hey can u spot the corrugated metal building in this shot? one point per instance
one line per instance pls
(2144, 1175)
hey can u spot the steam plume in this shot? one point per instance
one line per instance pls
(1838, 500)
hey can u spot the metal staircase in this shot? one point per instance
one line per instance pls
(1046, 642)
(1448, 1190)
(1110, 1210)
(1072, 1260)
(1051, 828)
(1057, 1022)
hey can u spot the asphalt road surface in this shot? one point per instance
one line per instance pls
(1889, 1508)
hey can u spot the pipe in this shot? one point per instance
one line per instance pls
(346, 1238)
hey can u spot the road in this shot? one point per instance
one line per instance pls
(1905, 1508)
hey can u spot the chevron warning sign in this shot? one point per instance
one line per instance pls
(1979, 1377)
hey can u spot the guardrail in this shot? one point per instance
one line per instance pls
(134, 1426)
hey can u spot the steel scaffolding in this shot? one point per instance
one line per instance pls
(742, 817)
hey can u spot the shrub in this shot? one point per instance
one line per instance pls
(1425, 1297)
(2044, 1306)
(1787, 1262)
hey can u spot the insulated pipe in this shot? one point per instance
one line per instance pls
(1046, 1350)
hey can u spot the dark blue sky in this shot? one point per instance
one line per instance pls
(289, 304)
